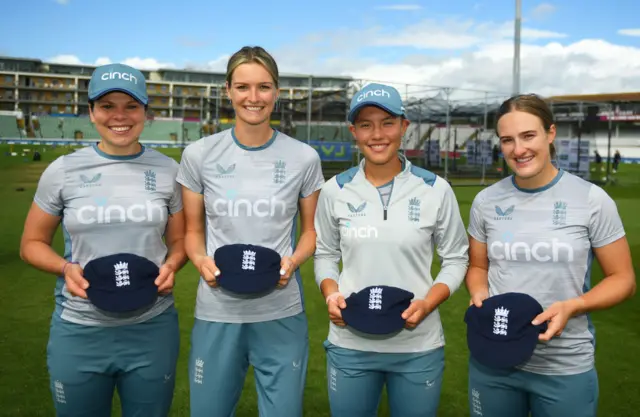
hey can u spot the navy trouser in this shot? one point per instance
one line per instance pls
(516, 393)
(356, 379)
(88, 363)
(221, 354)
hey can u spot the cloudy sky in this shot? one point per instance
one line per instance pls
(568, 46)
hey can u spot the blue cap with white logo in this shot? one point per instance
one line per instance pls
(123, 282)
(247, 269)
(118, 77)
(383, 96)
(500, 333)
(377, 309)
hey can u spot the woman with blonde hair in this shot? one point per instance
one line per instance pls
(246, 186)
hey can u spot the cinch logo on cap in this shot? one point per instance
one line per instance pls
(114, 75)
(380, 95)
(374, 93)
(118, 77)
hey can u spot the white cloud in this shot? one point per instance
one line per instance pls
(136, 62)
(216, 65)
(543, 10)
(147, 63)
(449, 34)
(534, 34)
(103, 61)
(458, 53)
(629, 32)
(470, 55)
(587, 66)
(400, 7)
(65, 59)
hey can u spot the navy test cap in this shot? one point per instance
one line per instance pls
(247, 269)
(377, 309)
(500, 333)
(121, 282)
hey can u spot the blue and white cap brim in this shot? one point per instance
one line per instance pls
(353, 113)
(101, 93)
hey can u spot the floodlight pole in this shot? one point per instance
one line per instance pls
(609, 134)
(309, 104)
(447, 92)
(516, 49)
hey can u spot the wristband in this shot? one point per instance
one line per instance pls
(333, 296)
(65, 266)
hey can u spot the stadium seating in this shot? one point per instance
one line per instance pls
(162, 130)
(327, 132)
(8, 127)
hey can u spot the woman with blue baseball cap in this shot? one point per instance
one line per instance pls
(536, 232)
(246, 186)
(120, 209)
(383, 219)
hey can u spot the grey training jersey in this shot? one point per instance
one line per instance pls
(251, 196)
(110, 204)
(392, 243)
(539, 242)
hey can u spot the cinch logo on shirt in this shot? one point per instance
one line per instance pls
(102, 213)
(112, 75)
(362, 232)
(262, 207)
(553, 251)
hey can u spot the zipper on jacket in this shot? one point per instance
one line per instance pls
(385, 207)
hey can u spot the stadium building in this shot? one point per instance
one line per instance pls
(41, 100)
(48, 100)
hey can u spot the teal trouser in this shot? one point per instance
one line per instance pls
(87, 363)
(516, 393)
(356, 378)
(222, 352)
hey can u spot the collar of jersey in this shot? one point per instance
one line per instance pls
(253, 148)
(118, 157)
(406, 167)
(539, 189)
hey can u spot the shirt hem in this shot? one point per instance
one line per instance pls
(79, 318)
(257, 318)
(569, 371)
(418, 349)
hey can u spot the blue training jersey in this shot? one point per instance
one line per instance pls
(110, 204)
(251, 196)
(540, 242)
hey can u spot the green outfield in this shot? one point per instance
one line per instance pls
(27, 305)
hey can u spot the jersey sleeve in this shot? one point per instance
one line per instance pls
(451, 241)
(175, 202)
(313, 178)
(327, 254)
(476, 227)
(48, 195)
(190, 172)
(605, 224)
